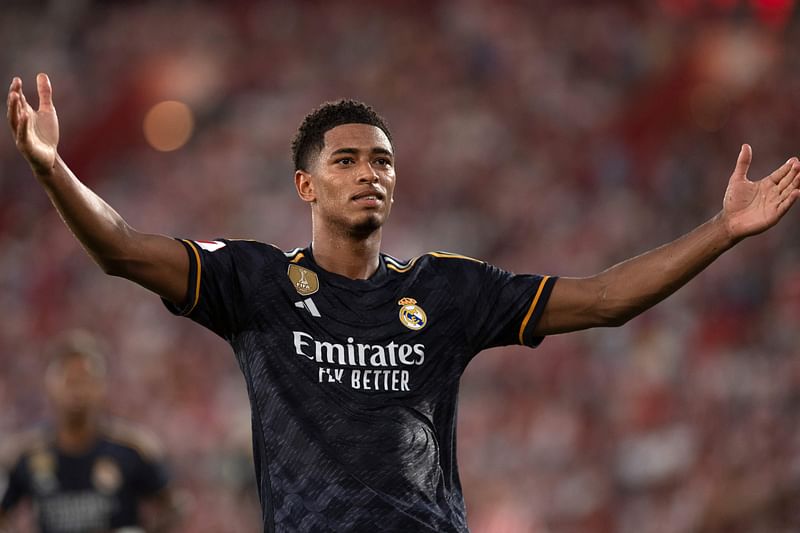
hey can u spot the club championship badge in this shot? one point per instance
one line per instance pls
(106, 475)
(305, 281)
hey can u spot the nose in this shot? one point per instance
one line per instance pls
(367, 174)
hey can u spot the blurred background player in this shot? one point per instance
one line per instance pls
(85, 472)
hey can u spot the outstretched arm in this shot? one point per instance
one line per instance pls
(156, 262)
(623, 291)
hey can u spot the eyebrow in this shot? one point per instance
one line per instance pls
(354, 151)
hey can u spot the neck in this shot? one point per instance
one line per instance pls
(354, 257)
(76, 434)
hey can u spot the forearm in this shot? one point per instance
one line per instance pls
(625, 290)
(618, 294)
(99, 228)
(629, 288)
(156, 262)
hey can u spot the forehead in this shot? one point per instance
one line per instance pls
(359, 136)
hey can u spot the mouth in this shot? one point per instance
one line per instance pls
(371, 197)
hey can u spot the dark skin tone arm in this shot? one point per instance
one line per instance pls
(625, 290)
(607, 299)
(156, 262)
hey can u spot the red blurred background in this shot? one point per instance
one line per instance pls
(551, 137)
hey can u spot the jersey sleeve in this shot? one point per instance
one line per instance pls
(17, 487)
(221, 275)
(498, 308)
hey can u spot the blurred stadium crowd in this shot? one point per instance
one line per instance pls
(553, 137)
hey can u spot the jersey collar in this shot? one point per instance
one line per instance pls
(377, 278)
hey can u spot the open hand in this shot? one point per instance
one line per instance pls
(35, 132)
(751, 207)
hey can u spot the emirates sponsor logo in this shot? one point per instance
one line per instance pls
(366, 367)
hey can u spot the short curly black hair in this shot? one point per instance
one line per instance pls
(310, 137)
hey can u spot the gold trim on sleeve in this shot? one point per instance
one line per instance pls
(197, 282)
(531, 308)
(448, 255)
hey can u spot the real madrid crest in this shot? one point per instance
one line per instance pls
(106, 475)
(304, 280)
(411, 315)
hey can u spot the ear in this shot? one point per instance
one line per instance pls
(304, 186)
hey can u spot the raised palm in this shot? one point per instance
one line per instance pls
(751, 207)
(35, 132)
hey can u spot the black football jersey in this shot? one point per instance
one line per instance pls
(96, 491)
(353, 384)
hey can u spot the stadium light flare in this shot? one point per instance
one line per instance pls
(168, 125)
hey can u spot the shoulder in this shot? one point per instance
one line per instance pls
(452, 258)
(15, 447)
(239, 254)
(133, 437)
(225, 245)
(438, 260)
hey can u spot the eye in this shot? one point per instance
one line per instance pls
(382, 161)
(345, 161)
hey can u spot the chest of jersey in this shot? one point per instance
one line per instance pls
(365, 337)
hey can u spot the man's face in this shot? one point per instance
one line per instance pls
(351, 182)
(76, 388)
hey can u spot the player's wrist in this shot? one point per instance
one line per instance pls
(725, 229)
(45, 171)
